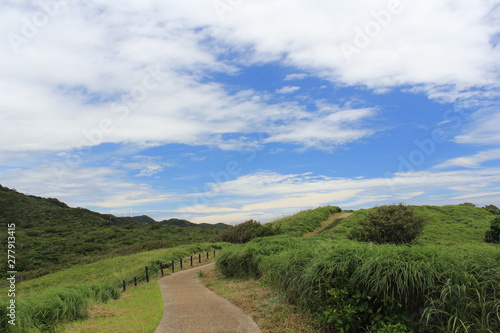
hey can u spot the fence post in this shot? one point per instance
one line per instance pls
(135, 281)
(199, 258)
(147, 275)
(124, 285)
(207, 254)
(173, 267)
(191, 261)
(180, 261)
(161, 269)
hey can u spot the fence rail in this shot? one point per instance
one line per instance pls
(146, 274)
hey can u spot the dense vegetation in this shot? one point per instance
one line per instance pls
(50, 235)
(66, 295)
(246, 231)
(353, 287)
(393, 224)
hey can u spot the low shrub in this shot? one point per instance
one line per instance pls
(394, 224)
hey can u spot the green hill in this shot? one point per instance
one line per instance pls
(51, 235)
(451, 224)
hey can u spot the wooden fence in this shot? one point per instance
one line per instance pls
(173, 266)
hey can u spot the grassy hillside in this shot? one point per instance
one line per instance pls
(448, 282)
(50, 235)
(452, 224)
(305, 221)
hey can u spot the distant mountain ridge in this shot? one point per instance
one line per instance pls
(175, 222)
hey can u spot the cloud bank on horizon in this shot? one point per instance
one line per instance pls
(226, 110)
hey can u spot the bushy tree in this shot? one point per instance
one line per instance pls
(493, 235)
(492, 209)
(395, 224)
(245, 232)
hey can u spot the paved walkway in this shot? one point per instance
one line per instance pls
(190, 307)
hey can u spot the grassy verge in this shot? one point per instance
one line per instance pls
(268, 309)
(139, 310)
(44, 303)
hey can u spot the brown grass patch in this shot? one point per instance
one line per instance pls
(259, 301)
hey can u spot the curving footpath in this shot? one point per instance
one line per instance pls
(190, 307)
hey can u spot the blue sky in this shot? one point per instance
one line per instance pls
(223, 111)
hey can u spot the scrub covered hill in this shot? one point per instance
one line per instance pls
(50, 235)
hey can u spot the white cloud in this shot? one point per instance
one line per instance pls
(476, 195)
(297, 76)
(473, 161)
(287, 90)
(101, 187)
(303, 200)
(417, 45)
(332, 127)
(62, 83)
(292, 192)
(260, 195)
(483, 129)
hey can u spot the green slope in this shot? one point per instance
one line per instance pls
(50, 235)
(452, 224)
(305, 221)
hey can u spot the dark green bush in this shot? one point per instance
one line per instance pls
(493, 235)
(492, 209)
(393, 224)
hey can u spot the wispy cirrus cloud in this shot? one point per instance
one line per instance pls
(473, 161)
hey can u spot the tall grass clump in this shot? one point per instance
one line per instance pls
(353, 286)
(305, 221)
(243, 261)
(42, 312)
